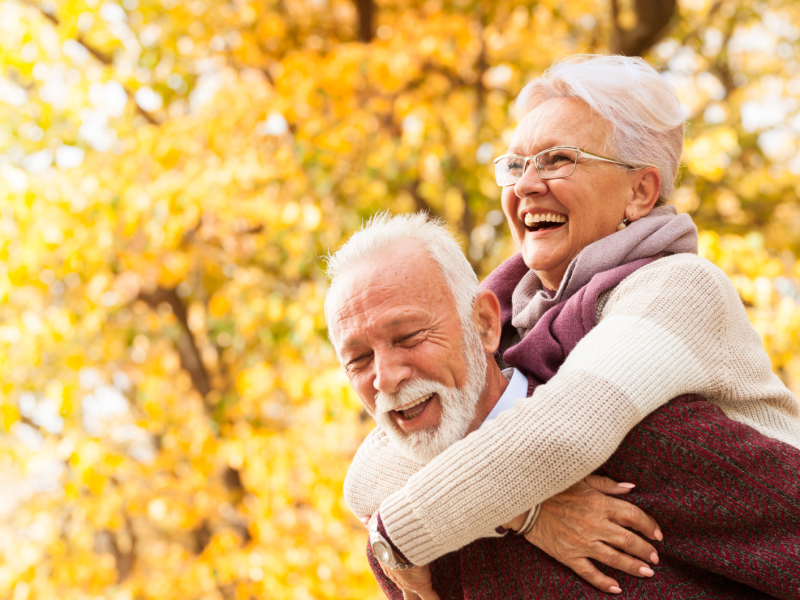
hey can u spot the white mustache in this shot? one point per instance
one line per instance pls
(410, 392)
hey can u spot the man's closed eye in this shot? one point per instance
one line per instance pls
(412, 339)
(359, 361)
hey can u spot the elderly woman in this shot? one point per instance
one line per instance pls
(607, 304)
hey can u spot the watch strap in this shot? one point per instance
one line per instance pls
(379, 537)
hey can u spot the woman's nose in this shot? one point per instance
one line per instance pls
(530, 183)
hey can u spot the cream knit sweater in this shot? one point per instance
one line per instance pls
(673, 327)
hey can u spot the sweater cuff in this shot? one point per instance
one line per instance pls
(408, 535)
(386, 536)
(406, 531)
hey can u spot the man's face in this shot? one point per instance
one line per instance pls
(399, 338)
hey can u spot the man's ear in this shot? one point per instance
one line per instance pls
(486, 316)
(646, 191)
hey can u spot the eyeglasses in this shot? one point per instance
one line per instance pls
(553, 163)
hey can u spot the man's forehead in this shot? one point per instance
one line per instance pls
(360, 328)
(389, 291)
(390, 298)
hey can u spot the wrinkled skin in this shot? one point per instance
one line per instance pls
(595, 198)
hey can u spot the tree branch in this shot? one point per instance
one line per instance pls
(187, 349)
(652, 21)
(419, 202)
(99, 55)
(105, 541)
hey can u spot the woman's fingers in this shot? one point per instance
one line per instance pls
(629, 515)
(608, 486)
(584, 568)
(630, 543)
(622, 562)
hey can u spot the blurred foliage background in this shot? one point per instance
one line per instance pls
(173, 423)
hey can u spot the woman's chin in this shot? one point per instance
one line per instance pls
(543, 259)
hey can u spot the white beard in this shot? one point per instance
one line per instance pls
(458, 405)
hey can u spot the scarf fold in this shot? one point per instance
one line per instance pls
(551, 325)
(662, 230)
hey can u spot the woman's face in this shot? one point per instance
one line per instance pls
(593, 200)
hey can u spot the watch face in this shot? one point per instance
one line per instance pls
(381, 551)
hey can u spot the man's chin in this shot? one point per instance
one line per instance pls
(424, 444)
(420, 446)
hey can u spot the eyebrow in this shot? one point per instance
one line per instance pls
(349, 345)
(520, 152)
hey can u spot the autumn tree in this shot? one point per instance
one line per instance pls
(174, 423)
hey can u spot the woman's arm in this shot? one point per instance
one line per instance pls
(663, 334)
(581, 524)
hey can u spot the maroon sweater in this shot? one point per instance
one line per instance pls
(726, 497)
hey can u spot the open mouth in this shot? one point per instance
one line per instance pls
(414, 410)
(540, 222)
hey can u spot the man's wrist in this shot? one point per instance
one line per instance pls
(384, 549)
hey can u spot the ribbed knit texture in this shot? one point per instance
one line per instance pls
(673, 327)
(726, 497)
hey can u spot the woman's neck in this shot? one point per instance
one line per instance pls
(550, 281)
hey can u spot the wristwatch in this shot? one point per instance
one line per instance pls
(382, 549)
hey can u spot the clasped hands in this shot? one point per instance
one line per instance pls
(574, 526)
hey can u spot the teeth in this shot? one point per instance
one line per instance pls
(531, 219)
(413, 413)
(410, 412)
(418, 402)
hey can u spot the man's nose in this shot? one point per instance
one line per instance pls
(530, 183)
(390, 372)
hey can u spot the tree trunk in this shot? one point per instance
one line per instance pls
(652, 21)
(366, 19)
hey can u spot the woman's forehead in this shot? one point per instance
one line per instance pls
(558, 122)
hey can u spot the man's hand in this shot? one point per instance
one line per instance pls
(583, 523)
(415, 583)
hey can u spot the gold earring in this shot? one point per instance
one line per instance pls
(623, 224)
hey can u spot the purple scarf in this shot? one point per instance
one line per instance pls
(551, 325)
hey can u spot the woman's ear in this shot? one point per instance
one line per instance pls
(646, 188)
(486, 316)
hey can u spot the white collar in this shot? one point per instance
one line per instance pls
(517, 388)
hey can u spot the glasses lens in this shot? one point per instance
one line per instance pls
(556, 163)
(508, 170)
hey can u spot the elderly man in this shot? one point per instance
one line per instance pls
(413, 333)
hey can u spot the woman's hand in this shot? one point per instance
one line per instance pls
(583, 523)
(415, 583)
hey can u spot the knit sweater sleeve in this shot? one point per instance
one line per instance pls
(378, 469)
(668, 329)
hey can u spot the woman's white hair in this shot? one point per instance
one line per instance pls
(642, 108)
(382, 233)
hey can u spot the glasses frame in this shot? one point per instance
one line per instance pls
(580, 153)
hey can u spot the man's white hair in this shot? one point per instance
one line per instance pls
(645, 115)
(384, 232)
